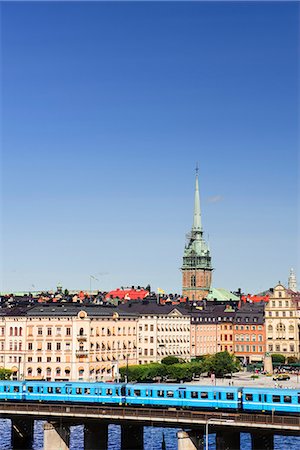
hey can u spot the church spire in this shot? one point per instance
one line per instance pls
(292, 281)
(197, 225)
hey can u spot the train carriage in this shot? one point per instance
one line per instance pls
(271, 400)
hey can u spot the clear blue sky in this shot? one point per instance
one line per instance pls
(106, 109)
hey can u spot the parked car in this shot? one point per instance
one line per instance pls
(281, 377)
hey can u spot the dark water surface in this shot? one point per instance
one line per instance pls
(152, 438)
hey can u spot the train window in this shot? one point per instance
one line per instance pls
(265, 397)
(230, 395)
(220, 395)
(276, 398)
(117, 391)
(194, 394)
(79, 391)
(128, 392)
(204, 394)
(137, 392)
(6, 389)
(123, 391)
(249, 397)
(16, 389)
(87, 390)
(149, 393)
(68, 390)
(298, 398)
(287, 399)
(215, 396)
(49, 390)
(170, 394)
(160, 393)
(259, 398)
(57, 390)
(30, 388)
(108, 391)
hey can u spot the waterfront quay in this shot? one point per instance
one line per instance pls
(195, 425)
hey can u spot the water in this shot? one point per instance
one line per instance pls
(152, 438)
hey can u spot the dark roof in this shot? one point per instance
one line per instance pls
(153, 308)
(68, 309)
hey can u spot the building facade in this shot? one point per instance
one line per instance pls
(249, 333)
(68, 342)
(196, 267)
(282, 322)
(163, 330)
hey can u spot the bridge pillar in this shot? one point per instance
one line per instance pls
(22, 433)
(262, 440)
(190, 440)
(228, 440)
(132, 437)
(95, 436)
(56, 436)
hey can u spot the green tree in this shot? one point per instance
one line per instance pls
(292, 360)
(221, 363)
(5, 374)
(169, 360)
(278, 358)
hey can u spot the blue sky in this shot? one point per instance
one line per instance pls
(107, 107)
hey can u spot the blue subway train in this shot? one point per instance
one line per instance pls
(190, 396)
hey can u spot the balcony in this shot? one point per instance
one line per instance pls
(82, 353)
(81, 337)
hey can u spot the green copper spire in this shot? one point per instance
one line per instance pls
(196, 246)
(197, 226)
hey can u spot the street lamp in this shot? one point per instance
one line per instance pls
(216, 421)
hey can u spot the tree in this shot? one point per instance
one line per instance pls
(292, 360)
(221, 363)
(169, 360)
(278, 358)
(5, 374)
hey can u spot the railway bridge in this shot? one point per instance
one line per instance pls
(194, 424)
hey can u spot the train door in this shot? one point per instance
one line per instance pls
(182, 396)
(123, 394)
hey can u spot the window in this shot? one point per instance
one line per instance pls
(30, 346)
(49, 331)
(249, 397)
(57, 390)
(50, 390)
(287, 399)
(276, 398)
(58, 346)
(170, 394)
(137, 392)
(68, 331)
(108, 391)
(204, 395)
(194, 394)
(161, 393)
(79, 391)
(87, 391)
(49, 346)
(40, 331)
(230, 395)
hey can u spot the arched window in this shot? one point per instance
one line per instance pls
(57, 370)
(291, 328)
(193, 280)
(280, 327)
(48, 371)
(29, 371)
(11, 331)
(270, 328)
(16, 331)
(39, 371)
(20, 345)
(20, 331)
(81, 332)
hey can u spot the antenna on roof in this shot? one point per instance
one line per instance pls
(197, 168)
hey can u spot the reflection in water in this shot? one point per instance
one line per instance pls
(152, 438)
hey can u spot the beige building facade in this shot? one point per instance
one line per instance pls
(282, 322)
(68, 342)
